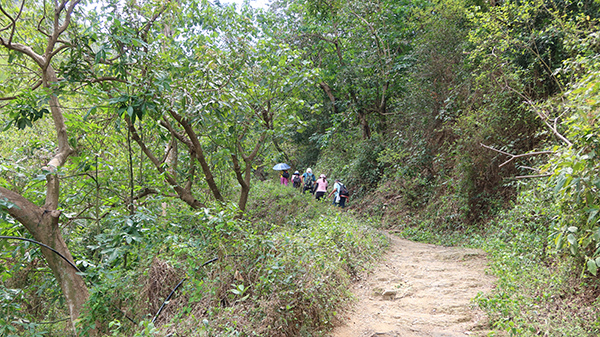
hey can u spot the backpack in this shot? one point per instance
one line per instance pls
(285, 174)
(308, 182)
(296, 180)
(344, 193)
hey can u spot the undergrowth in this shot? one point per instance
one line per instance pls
(283, 270)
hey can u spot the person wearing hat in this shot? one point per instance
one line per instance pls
(321, 187)
(308, 180)
(296, 180)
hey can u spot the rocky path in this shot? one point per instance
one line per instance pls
(420, 290)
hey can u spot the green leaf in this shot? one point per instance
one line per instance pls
(21, 124)
(7, 126)
(589, 198)
(92, 110)
(593, 212)
(572, 239)
(560, 183)
(574, 250)
(119, 99)
(596, 235)
(592, 267)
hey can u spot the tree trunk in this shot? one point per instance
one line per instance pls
(42, 223)
(327, 90)
(243, 178)
(243, 181)
(184, 193)
(243, 201)
(197, 147)
(364, 125)
(245, 190)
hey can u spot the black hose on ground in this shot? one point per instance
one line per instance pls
(74, 266)
(43, 245)
(175, 289)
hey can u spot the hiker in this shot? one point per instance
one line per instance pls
(340, 192)
(284, 177)
(321, 187)
(296, 180)
(308, 179)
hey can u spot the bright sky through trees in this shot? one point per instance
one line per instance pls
(254, 3)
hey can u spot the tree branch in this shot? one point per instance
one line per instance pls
(40, 60)
(13, 25)
(10, 98)
(256, 147)
(534, 176)
(515, 156)
(39, 25)
(164, 122)
(157, 163)
(23, 210)
(188, 185)
(238, 171)
(10, 18)
(59, 29)
(146, 28)
(193, 137)
(327, 89)
(64, 149)
(540, 114)
(59, 49)
(184, 195)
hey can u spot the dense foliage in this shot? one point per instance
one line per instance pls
(138, 140)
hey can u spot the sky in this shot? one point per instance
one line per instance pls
(253, 3)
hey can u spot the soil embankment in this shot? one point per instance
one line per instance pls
(420, 290)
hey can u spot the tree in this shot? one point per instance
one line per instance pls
(231, 87)
(39, 46)
(359, 45)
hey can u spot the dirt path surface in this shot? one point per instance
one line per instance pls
(420, 290)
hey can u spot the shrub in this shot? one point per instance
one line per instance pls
(240, 276)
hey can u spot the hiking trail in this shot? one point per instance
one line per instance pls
(419, 290)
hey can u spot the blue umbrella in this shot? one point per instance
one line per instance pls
(281, 167)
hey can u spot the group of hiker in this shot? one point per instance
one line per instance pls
(308, 182)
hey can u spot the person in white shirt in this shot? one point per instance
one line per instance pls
(338, 200)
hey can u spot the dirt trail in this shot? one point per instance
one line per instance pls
(420, 290)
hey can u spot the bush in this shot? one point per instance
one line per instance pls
(538, 289)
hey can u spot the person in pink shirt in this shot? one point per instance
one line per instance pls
(321, 187)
